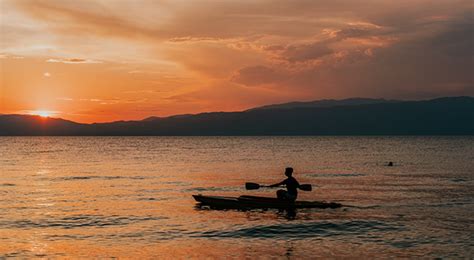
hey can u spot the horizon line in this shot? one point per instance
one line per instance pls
(239, 111)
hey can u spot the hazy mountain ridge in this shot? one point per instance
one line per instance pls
(37, 125)
(326, 103)
(442, 116)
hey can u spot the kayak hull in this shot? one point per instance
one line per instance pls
(255, 202)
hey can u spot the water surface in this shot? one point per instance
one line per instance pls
(131, 197)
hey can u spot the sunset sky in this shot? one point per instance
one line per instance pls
(105, 60)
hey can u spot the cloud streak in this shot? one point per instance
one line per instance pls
(72, 61)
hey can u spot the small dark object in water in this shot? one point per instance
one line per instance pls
(390, 164)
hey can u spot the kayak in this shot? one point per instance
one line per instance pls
(255, 202)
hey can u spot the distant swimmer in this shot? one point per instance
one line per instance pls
(292, 185)
(390, 164)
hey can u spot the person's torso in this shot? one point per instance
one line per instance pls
(292, 185)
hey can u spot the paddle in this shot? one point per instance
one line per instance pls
(255, 186)
(252, 186)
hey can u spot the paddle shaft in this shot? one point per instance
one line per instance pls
(254, 186)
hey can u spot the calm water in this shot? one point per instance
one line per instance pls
(131, 197)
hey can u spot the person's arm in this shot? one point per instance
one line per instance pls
(276, 184)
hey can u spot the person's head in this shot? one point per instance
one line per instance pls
(288, 171)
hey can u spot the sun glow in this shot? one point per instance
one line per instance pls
(42, 113)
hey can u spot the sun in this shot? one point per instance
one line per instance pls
(42, 113)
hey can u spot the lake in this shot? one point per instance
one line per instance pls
(130, 197)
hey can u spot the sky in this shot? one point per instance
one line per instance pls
(106, 60)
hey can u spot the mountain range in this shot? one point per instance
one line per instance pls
(356, 116)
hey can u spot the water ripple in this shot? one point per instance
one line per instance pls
(77, 221)
(334, 175)
(303, 230)
(202, 189)
(76, 178)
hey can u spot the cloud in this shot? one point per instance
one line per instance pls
(113, 101)
(189, 39)
(305, 52)
(73, 61)
(356, 36)
(435, 64)
(88, 17)
(65, 99)
(95, 100)
(257, 75)
(7, 56)
(144, 91)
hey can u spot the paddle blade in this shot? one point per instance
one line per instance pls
(252, 186)
(306, 187)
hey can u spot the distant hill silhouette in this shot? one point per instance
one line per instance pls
(36, 125)
(326, 103)
(442, 116)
